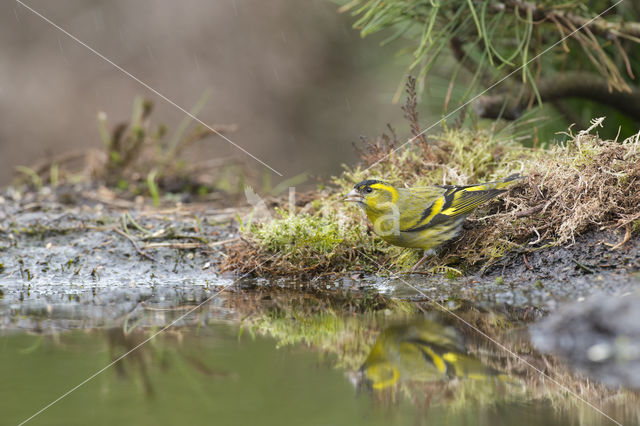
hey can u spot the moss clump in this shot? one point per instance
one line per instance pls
(321, 240)
(327, 332)
(325, 235)
(300, 234)
(586, 182)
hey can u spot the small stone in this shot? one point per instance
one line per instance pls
(599, 352)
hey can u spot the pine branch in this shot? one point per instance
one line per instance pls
(559, 87)
(600, 26)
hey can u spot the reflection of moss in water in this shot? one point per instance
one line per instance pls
(325, 332)
(331, 331)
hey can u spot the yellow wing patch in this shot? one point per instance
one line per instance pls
(464, 201)
(437, 361)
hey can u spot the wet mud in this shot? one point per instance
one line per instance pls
(74, 254)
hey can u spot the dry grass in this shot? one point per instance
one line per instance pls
(585, 184)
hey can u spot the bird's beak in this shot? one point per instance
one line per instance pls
(354, 196)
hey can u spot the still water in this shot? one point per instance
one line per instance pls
(295, 365)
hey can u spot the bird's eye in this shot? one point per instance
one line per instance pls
(368, 190)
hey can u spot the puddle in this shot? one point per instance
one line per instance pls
(271, 358)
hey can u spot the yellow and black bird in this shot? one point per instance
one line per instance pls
(423, 217)
(424, 351)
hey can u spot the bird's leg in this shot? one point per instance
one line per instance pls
(427, 254)
(420, 262)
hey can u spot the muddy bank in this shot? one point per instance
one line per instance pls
(73, 256)
(570, 272)
(65, 253)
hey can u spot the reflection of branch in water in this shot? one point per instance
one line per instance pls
(119, 343)
(201, 367)
(148, 359)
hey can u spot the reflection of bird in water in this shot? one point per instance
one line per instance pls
(422, 351)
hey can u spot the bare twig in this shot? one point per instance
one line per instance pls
(135, 245)
(529, 212)
(627, 237)
(180, 246)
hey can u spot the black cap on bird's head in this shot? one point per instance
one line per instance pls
(361, 186)
(361, 189)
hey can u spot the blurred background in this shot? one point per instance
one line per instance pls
(298, 81)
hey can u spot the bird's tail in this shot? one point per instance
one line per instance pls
(508, 180)
(498, 184)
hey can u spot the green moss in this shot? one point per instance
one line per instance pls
(309, 243)
(295, 234)
(448, 271)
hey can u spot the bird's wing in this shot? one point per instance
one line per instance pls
(465, 200)
(421, 208)
(462, 200)
(417, 204)
(457, 202)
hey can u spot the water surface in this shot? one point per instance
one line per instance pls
(274, 361)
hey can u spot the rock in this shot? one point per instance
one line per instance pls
(600, 336)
